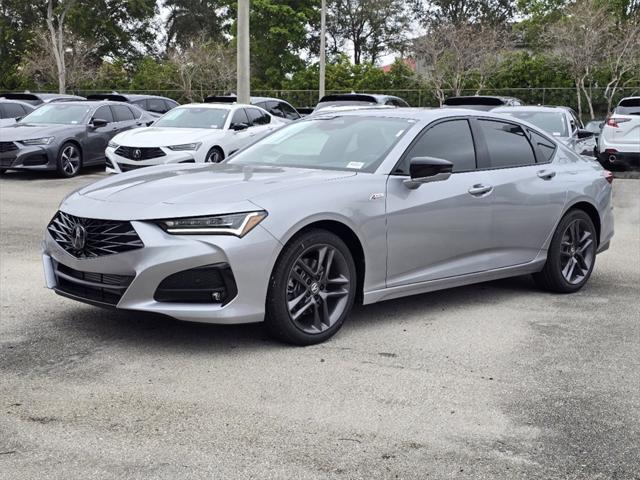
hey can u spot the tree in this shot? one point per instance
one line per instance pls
(370, 27)
(209, 17)
(56, 41)
(457, 12)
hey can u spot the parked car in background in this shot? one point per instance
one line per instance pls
(619, 143)
(481, 102)
(193, 133)
(12, 109)
(275, 106)
(155, 105)
(348, 108)
(561, 122)
(36, 99)
(66, 136)
(368, 204)
(352, 99)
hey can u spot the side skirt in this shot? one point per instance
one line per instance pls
(452, 282)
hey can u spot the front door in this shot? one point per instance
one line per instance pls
(441, 229)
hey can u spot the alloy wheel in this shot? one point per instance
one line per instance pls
(214, 156)
(70, 159)
(577, 251)
(318, 288)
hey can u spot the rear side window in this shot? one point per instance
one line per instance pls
(257, 117)
(12, 110)
(141, 103)
(239, 116)
(628, 106)
(545, 147)
(121, 113)
(507, 144)
(288, 111)
(157, 105)
(170, 104)
(104, 113)
(450, 140)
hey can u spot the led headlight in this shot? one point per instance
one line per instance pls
(238, 224)
(185, 147)
(37, 141)
(112, 144)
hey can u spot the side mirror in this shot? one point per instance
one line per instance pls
(584, 133)
(17, 119)
(239, 126)
(426, 170)
(98, 122)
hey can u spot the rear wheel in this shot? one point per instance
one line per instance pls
(312, 289)
(69, 160)
(571, 256)
(215, 155)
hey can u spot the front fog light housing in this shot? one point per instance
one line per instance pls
(37, 141)
(238, 224)
(185, 147)
(112, 144)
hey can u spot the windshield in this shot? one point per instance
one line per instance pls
(550, 122)
(58, 113)
(204, 117)
(333, 143)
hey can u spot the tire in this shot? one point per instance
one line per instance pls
(69, 160)
(3, 171)
(214, 155)
(306, 304)
(571, 256)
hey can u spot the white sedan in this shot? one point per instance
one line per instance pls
(194, 133)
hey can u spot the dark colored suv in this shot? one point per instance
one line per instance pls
(157, 106)
(12, 109)
(36, 99)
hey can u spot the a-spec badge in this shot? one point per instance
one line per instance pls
(376, 196)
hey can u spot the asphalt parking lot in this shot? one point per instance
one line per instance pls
(495, 381)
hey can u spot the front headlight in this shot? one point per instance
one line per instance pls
(37, 141)
(185, 147)
(112, 144)
(238, 224)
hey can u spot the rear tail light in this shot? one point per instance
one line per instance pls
(608, 176)
(613, 121)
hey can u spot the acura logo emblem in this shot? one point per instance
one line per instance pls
(79, 237)
(137, 153)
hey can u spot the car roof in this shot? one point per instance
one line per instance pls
(91, 103)
(487, 100)
(234, 99)
(19, 102)
(413, 113)
(358, 97)
(226, 106)
(531, 108)
(122, 97)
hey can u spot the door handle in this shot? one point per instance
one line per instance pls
(546, 174)
(480, 190)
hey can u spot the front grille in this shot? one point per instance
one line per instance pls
(8, 147)
(134, 153)
(87, 237)
(93, 287)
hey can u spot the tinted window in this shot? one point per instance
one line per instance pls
(258, 117)
(121, 113)
(239, 117)
(507, 144)
(170, 104)
(288, 111)
(103, 113)
(545, 147)
(156, 105)
(141, 103)
(450, 141)
(13, 110)
(59, 113)
(551, 122)
(136, 112)
(628, 106)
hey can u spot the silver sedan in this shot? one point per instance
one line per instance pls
(355, 206)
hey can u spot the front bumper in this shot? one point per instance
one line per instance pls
(251, 260)
(31, 158)
(120, 164)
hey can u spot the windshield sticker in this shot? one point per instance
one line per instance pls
(557, 134)
(357, 165)
(399, 133)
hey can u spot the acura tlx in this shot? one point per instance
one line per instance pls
(349, 206)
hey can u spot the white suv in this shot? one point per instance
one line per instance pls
(193, 133)
(619, 143)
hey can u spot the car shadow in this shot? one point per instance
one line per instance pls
(28, 175)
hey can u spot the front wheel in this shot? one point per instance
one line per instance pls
(312, 289)
(215, 155)
(571, 256)
(69, 160)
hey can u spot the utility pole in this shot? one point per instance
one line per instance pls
(242, 41)
(323, 33)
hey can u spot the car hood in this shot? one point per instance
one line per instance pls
(25, 131)
(190, 190)
(163, 136)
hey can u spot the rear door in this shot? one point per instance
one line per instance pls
(97, 138)
(124, 118)
(528, 191)
(238, 138)
(441, 229)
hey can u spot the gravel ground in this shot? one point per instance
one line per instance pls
(495, 381)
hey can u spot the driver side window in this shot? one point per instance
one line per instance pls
(239, 116)
(103, 113)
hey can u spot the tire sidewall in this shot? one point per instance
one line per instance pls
(554, 251)
(210, 153)
(277, 314)
(59, 168)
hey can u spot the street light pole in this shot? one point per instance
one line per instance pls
(323, 32)
(242, 40)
